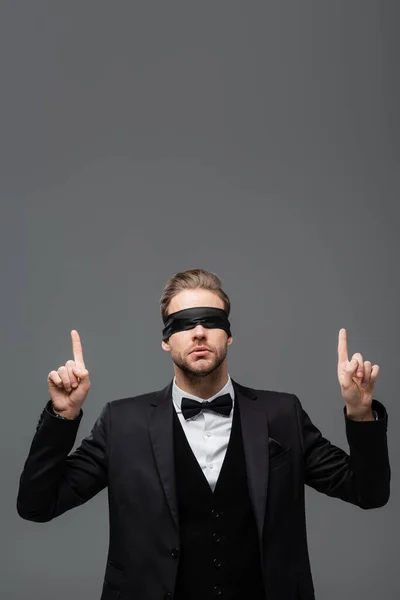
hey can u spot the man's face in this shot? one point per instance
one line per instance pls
(182, 343)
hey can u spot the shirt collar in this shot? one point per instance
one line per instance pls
(178, 394)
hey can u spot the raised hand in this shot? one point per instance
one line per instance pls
(357, 379)
(70, 384)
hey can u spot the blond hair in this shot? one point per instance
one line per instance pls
(191, 280)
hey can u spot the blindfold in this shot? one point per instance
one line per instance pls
(188, 318)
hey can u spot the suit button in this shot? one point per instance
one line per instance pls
(217, 591)
(175, 552)
(216, 563)
(216, 538)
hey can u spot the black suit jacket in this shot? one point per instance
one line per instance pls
(130, 450)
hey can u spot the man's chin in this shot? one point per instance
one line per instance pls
(198, 369)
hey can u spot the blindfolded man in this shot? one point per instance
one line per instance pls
(206, 476)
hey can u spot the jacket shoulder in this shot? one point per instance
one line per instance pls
(276, 402)
(266, 395)
(136, 401)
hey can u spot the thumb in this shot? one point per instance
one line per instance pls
(348, 372)
(354, 365)
(81, 374)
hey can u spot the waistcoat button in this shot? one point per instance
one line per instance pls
(175, 552)
(217, 591)
(216, 538)
(216, 563)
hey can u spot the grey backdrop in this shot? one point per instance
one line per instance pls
(258, 140)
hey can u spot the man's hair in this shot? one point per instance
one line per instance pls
(191, 280)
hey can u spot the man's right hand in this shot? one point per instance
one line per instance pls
(70, 384)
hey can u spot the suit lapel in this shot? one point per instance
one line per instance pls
(254, 424)
(255, 441)
(162, 438)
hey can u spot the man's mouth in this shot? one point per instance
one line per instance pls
(200, 351)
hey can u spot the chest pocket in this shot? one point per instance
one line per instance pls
(278, 460)
(112, 581)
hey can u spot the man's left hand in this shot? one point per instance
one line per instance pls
(357, 379)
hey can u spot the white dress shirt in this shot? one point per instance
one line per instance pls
(207, 432)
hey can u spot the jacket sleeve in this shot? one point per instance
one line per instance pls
(361, 477)
(54, 481)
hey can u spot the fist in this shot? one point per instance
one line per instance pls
(70, 384)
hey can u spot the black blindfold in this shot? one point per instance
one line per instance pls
(188, 318)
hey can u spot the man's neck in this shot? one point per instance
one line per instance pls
(203, 387)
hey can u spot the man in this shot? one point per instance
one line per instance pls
(206, 476)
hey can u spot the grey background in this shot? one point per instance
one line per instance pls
(258, 140)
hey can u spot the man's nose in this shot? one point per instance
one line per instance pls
(199, 331)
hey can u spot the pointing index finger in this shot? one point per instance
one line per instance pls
(77, 350)
(342, 346)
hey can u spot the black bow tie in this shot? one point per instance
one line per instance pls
(221, 404)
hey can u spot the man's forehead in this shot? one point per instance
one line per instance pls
(193, 299)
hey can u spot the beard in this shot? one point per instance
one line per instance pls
(201, 366)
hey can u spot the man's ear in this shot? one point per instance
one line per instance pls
(230, 340)
(165, 346)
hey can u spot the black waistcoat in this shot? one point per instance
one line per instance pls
(219, 553)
